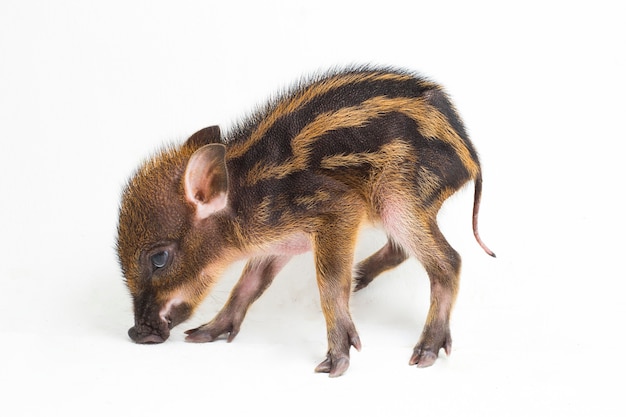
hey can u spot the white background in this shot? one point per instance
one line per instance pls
(87, 90)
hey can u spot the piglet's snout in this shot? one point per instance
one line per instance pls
(148, 339)
(153, 326)
(150, 333)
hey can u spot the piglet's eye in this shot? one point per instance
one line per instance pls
(159, 259)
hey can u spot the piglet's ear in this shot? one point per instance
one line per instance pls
(205, 136)
(206, 180)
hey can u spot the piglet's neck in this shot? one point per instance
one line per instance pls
(222, 235)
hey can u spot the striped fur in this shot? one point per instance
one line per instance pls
(303, 173)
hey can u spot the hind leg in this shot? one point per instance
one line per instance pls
(387, 257)
(415, 230)
(443, 265)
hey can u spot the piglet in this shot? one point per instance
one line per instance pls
(305, 172)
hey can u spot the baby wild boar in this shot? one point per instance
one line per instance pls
(303, 173)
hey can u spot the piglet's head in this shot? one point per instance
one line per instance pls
(170, 222)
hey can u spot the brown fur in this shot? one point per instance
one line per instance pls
(304, 173)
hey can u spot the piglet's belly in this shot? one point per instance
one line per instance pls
(291, 245)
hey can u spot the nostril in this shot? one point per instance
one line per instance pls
(132, 333)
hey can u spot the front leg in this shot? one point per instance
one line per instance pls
(334, 251)
(255, 279)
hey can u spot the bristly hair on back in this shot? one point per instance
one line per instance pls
(243, 127)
